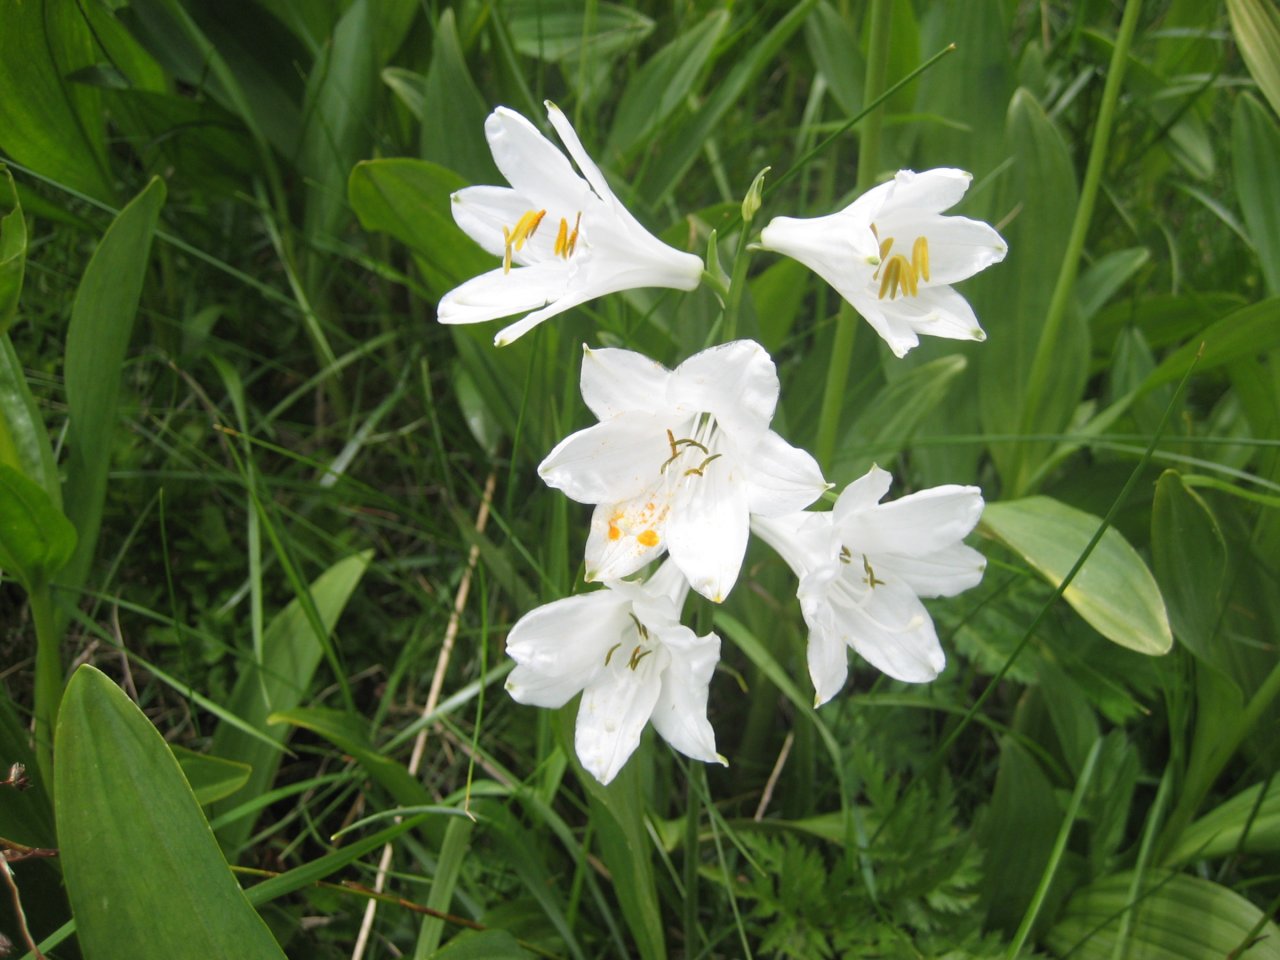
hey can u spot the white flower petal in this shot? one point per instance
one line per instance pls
(915, 525)
(930, 191)
(708, 528)
(943, 573)
(482, 212)
(614, 709)
(614, 381)
(783, 478)
(533, 165)
(680, 713)
(806, 541)
(569, 137)
(893, 632)
(735, 382)
(861, 495)
(827, 656)
(936, 312)
(497, 294)
(560, 647)
(625, 537)
(612, 461)
(958, 247)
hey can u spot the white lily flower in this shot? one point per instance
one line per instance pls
(564, 239)
(679, 461)
(863, 568)
(626, 650)
(893, 255)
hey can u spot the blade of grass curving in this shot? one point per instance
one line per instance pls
(457, 841)
(13, 250)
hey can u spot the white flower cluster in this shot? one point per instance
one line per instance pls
(683, 462)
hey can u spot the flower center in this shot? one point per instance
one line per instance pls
(639, 650)
(896, 273)
(514, 238)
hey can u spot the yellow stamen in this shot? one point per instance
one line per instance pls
(573, 237)
(648, 538)
(920, 257)
(609, 656)
(515, 237)
(562, 237)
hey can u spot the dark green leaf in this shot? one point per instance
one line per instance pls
(13, 248)
(1255, 145)
(211, 778)
(24, 442)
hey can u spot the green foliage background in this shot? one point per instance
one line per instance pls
(242, 472)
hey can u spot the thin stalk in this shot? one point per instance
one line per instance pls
(1048, 348)
(868, 163)
(48, 681)
(737, 281)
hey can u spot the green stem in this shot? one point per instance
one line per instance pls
(48, 681)
(868, 164)
(1047, 350)
(737, 282)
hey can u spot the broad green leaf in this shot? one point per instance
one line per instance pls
(1241, 334)
(291, 652)
(141, 865)
(1189, 554)
(36, 540)
(1256, 25)
(13, 248)
(1012, 299)
(663, 84)
(1172, 917)
(210, 778)
(1222, 831)
(482, 945)
(409, 199)
(454, 111)
(339, 100)
(236, 50)
(24, 442)
(837, 56)
(1255, 145)
(47, 123)
(97, 340)
(1017, 832)
(886, 425)
(1114, 591)
(685, 141)
(567, 30)
(1100, 281)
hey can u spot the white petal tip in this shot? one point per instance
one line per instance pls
(873, 261)
(722, 759)
(978, 334)
(551, 105)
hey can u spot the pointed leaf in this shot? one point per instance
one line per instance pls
(1114, 591)
(1255, 145)
(97, 339)
(24, 442)
(1256, 25)
(211, 778)
(141, 864)
(1241, 824)
(13, 248)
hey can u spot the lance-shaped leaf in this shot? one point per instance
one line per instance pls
(36, 540)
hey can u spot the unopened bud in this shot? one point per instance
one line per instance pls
(751, 203)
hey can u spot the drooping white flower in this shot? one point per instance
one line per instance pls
(626, 650)
(679, 462)
(564, 239)
(863, 568)
(893, 255)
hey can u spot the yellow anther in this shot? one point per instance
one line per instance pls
(648, 538)
(562, 238)
(698, 469)
(515, 237)
(637, 656)
(609, 656)
(885, 245)
(640, 628)
(573, 237)
(870, 579)
(889, 282)
(920, 257)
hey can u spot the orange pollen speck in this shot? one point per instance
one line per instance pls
(648, 539)
(614, 532)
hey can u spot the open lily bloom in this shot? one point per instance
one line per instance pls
(626, 650)
(679, 461)
(893, 255)
(863, 568)
(564, 239)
